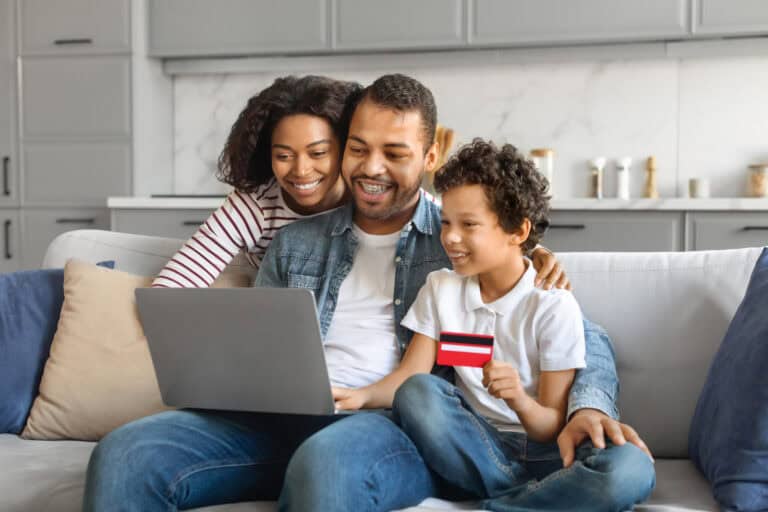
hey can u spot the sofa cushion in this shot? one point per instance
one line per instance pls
(99, 374)
(29, 312)
(729, 431)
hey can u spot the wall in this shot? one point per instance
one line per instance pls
(699, 117)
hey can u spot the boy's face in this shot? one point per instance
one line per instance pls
(383, 163)
(471, 233)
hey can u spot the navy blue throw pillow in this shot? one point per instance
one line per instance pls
(30, 303)
(728, 438)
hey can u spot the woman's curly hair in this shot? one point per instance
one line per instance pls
(246, 160)
(514, 188)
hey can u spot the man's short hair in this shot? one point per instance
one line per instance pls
(514, 188)
(405, 94)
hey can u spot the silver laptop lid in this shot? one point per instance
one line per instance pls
(243, 349)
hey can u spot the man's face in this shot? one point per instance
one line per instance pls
(383, 164)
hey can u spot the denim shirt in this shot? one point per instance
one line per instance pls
(317, 254)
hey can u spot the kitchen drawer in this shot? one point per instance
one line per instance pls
(614, 231)
(76, 174)
(41, 226)
(727, 230)
(76, 97)
(180, 224)
(10, 239)
(51, 27)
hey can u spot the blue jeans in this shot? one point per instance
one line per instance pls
(188, 459)
(512, 472)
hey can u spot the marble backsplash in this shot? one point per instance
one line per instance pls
(699, 117)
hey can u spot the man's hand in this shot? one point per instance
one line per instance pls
(349, 399)
(595, 424)
(503, 381)
(549, 272)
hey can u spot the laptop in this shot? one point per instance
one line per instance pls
(239, 349)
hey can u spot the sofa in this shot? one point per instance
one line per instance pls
(666, 312)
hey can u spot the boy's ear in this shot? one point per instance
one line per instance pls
(522, 233)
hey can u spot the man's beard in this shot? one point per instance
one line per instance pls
(402, 198)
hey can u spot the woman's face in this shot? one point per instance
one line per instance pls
(306, 161)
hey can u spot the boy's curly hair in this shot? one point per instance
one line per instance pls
(514, 188)
(246, 160)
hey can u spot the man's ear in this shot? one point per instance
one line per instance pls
(430, 159)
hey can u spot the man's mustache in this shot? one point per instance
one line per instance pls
(369, 178)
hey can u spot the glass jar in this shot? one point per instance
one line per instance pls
(544, 160)
(758, 180)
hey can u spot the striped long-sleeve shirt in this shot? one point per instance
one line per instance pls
(245, 222)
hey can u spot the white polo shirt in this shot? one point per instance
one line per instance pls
(534, 329)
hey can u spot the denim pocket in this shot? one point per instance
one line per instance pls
(303, 281)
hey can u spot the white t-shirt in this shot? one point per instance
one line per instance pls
(361, 344)
(534, 329)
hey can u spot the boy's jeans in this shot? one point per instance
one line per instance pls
(513, 471)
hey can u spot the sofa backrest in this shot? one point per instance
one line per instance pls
(666, 313)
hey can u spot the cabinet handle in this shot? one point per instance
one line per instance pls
(7, 239)
(6, 173)
(62, 42)
(755, 228)
(193, 223)
(567, 226)
(76, 221)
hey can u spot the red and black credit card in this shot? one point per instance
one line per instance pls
(464, 349)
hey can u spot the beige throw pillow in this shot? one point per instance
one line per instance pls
(99, 373)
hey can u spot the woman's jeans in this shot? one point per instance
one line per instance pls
(363, 462)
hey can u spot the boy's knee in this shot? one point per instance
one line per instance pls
(628, 473)
(418, 392)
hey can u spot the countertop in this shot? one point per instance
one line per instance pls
(663, 204)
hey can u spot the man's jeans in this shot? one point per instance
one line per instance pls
(515, 473)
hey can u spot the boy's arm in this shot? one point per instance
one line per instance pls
(419, 358)
(542, 418)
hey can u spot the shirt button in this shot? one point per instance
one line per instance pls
(398, 259)
(398, 302)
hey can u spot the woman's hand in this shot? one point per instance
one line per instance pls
(350, 399)
(549, 272)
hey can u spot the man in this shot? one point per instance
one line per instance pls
(188, 459)
(382, 246)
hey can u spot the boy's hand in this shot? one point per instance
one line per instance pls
(503, 381)
(349, 399)
(549, 272)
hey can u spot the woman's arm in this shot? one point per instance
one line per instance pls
(419, 358)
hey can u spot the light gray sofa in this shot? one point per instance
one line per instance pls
(666, 312)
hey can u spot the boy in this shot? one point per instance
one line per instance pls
(479, 434)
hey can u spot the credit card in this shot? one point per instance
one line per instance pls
(464, 349)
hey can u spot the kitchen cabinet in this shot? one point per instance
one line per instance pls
(92, 97)
(180, 224)
(180, 28)
(504, 22)
(9, 240)
(41, 226)
(726, 230)
(8, 161)
(74, 26)
(372, 24)
(615, 231)
(730, 17)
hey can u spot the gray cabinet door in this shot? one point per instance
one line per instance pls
(74, 26)
(10, 255)
(729, 17)
(8, 172)
(180, 224)
(180, 28)
(727, 230)
(615, 231)
(76, 173)
(42, 226)
(368, 24)
(548, 21)
(75, 97)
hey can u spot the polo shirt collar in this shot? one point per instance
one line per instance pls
(473, 299)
